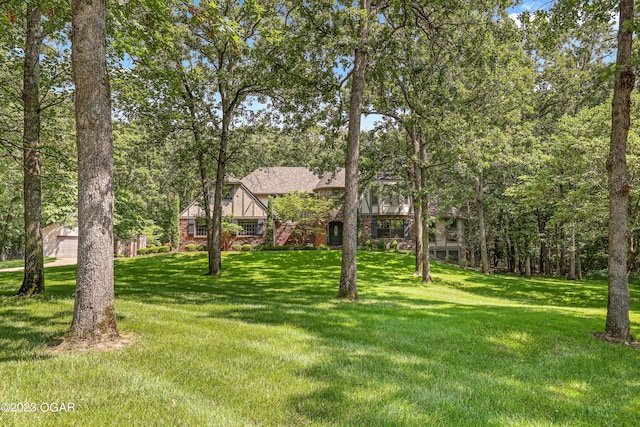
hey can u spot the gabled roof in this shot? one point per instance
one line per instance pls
(280, 180)
(231, 180)
(331, 180)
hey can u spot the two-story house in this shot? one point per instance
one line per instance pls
(384, 213)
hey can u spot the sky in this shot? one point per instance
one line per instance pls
(531, 5)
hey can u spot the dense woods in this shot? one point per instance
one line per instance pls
(503, 113)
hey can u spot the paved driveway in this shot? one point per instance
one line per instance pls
(56, 263)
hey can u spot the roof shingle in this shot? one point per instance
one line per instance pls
(280, 180)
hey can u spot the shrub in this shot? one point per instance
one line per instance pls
(322, 248)
(382, 245)
(154, 249)
(143, 251)
(191, 247)
(164, 248)
(237, 248)
(268, 248)
(201, 248)
(368, 245)
(393, 245)
(246, 247)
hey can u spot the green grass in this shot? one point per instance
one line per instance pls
(267, 344)
(19, 263)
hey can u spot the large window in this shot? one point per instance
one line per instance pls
(227, 192)
(249, 227)
(201, 230)
(390, 228)
(452, 230)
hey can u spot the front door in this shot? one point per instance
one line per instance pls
(335, 233)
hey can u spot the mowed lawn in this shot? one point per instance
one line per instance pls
(268, 344)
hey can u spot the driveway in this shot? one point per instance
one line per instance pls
(56, 263)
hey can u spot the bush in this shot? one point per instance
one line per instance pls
(201, 248)
(322, 248)
(143, 251)
(236, 248)
(154, 249)
(382, 245)
(267, 248)
(246, 247)
(393, 245)
(164, 248)
(191, 247)
(368, 245)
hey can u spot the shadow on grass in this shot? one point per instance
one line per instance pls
(21, 331)
(589, 293)
(384, 364)
(400, 357)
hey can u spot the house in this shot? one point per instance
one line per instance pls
(247, 210)
(384, 213)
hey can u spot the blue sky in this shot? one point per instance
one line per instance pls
(531, 5)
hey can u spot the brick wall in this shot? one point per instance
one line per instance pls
(185, 239)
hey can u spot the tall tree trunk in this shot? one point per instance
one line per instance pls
(547, 254)
(578, 261)
(424, 201)
(527, 265)
(215, 242)
(348, 280)
(213, 218)
(470, 239)
(94, 316)
(33, 281)
(557, 246)
(617, 323)
(562, 249)
(572, 255)
(484, 255)
(206, 193)
(420, 246)
(416, 181)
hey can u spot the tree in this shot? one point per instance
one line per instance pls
(348, 274)
(94, 316)
(270, 234)
(33, 282)
(617, 323)
(210, 61)
(230, 230)
(308, 212)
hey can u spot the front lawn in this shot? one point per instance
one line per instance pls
(267, 344)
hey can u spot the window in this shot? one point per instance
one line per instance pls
(452, 230)
(390, 228)
(227, 192)
(432, 233)
(249, 227)
(441, 255)
(201, 229)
